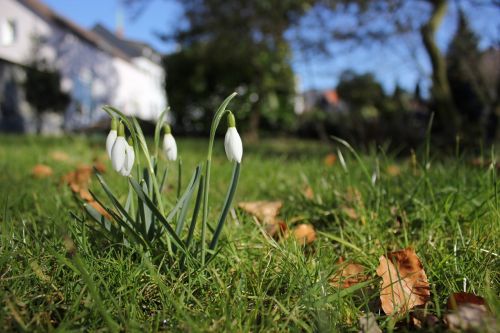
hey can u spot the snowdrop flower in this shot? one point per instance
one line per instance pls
(110, 140)
(119, 150)
(232, 141)
(129, 159)
(169, 145)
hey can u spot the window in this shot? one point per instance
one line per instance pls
(8, 31)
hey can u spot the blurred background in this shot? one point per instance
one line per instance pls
(366, 71)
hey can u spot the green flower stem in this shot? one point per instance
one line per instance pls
(215, 123)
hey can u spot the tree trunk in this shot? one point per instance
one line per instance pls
(252, 134)
(39, 122)
(441, 93)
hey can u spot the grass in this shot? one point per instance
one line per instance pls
(448, 211)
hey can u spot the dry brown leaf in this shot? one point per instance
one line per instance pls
(304, 233)
(41, 171)
(404, 282)
(277, 229)
(457, 299)
(85, 195)
(469, 312)
(308, 192)
(350, 212)
(330, 159)
(99, 166)
(353, 196)
(348, 274)
(60, 156)
(264, 211)
(393, 170)
(97, 206)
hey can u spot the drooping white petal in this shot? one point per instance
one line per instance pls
(110, 141)
(118, 153)
(129, 161)
(170, 147)
(233, 145)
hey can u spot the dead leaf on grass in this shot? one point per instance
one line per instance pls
(457, 299)
(469, 312)
(330, 159)
(304, 233)
(99, 166)
(277, 229)
(59, 156)
(348, 275)
(393, 170)
(308, 192)
(350, 213)
(404, 282)
(97, 206)
(41, 171)
(264, 211)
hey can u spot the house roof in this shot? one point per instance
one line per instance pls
(131, 48)
(89, 36)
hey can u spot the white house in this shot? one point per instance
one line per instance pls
(97, 67)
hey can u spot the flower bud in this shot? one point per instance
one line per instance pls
(118, 150)
(129, 159)
(110, 139)
(232, 141)
(169, 144)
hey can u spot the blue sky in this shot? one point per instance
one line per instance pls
(395, 65)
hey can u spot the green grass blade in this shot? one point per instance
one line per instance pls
(165, 222)
(227, 204)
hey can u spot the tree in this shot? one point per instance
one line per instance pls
(43, 90)
(233, 44)
(389, 21)
(462, 62)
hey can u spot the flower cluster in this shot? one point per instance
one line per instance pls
(122, 153)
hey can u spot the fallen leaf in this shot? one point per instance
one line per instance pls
(80, 177)
(99, 166)
(457, 299)
(404, 282)
(60, 156)
(348, 275)
(97, 206)
(469, 317)
(41, 171)
(368, 324)
(350, 212)
(393, 170)
(330, 159)
(304, 233)
(85, 195)
(264, 211)
(277, 229)
(353, 196)
(308, 192)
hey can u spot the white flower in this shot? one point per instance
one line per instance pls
(232, 142)
(110, 141)
(169, 145)
(129, 161)
(118, 153)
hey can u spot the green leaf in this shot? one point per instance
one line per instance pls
(227, 204)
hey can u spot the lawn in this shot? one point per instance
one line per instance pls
(446, 208)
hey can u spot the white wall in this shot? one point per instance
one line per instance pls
(28, 25)
(92, 77)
